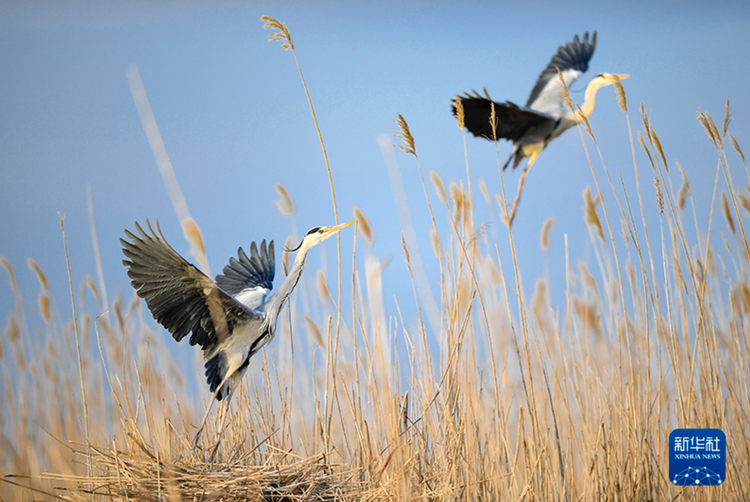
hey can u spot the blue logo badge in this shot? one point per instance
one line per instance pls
(697, 457)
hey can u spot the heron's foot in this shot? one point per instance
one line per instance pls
(196, 438)
(215, 447)
(521, 182)
(214, 450)
(512, 213)
(508, 221)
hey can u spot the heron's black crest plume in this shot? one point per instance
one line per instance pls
(309, 232)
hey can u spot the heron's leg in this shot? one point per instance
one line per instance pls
(224, 413)
(532, 158)
(208, 410)
(222, 421)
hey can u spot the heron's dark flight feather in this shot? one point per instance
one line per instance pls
(512, 122)
(180, 297)
(216, 371)
(574, 55)
(256, 271)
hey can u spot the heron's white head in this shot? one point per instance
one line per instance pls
(601, 80)
(316, 235)
(604, 79)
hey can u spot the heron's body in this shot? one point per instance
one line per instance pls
(532, 127)
(230, 319)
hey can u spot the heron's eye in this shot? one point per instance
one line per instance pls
(313, 230)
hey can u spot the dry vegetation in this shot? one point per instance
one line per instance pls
(522, 400)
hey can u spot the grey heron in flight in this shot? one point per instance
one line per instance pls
(544, 118)
(230, 319)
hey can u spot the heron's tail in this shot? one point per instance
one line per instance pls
(517, 154)
(216, 372)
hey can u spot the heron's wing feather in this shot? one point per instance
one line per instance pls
(180, 297)
(511, 122)
(572, 59)
(249, 280)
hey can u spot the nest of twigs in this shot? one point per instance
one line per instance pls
(142, 474)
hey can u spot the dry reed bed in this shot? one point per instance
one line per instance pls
(513, 399)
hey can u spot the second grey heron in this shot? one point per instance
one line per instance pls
(230, 319)
(544, 118)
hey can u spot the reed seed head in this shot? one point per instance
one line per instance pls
(11, 273)
(727, 212)
(314, 330)
(545, 234)
(363, 224)
(657, 145)
(281, 35)
(458, 106)
(12, 329)
(406, 253)
(485, 191)
(94, 290)
(683, 193)
(588, 313)
(284, 203)
(621, 99)
(404, 134)
(565, 93)
(642, 141)
(587, 278)
(44, 306)
(586, 123)
(195, 237)
(435, 242)
(34, 267)
(591, 217)
(437, 183)
(736, 146)
(493, 120)
(659, 195)
(323, 292)
(625, 229)
(744, 201)
(708, 123)
(727, 120)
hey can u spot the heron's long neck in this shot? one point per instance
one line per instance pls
(282, 294)
(589, 103)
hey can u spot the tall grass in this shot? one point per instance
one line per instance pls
(523, 399)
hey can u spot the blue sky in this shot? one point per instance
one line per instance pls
(235, 120)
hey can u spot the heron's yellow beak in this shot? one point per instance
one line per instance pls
(336, 228)
(623, 76)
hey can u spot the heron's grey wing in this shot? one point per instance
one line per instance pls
(572, 60)
(511, 122)
(180, 297)
(249, 280)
